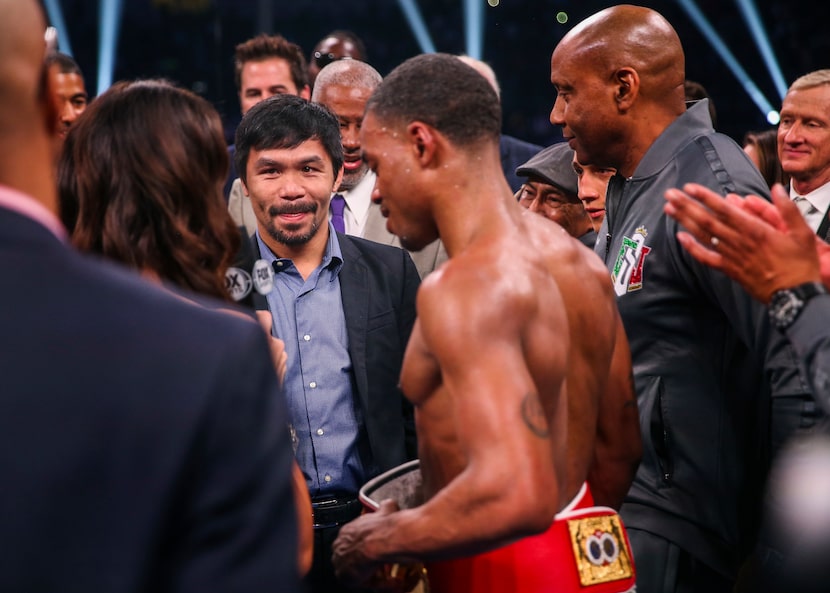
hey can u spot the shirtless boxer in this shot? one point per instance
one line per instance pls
(517, 337)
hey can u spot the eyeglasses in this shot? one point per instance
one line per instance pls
(322, 60)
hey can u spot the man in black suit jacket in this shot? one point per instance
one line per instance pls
(142, 437)
(344, 307)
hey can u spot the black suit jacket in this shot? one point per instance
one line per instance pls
(232, 174)
(378, 284)
(823, 230)
(142, 437)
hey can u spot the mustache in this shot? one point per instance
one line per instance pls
(292, 208)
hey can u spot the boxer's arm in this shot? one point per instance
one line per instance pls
(509, 488)
(618, 446)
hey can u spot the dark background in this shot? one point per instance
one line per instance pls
(191, 43)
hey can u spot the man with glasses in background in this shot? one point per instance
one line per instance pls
(335, 46)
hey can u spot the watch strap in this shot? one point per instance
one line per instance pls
(808, 290)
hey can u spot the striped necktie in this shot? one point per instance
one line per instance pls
(805, 206)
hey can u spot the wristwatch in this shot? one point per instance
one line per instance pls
(786, 305)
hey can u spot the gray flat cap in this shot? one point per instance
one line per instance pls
(553, 165)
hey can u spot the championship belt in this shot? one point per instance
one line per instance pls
(601, 550)
(403, 485)
(585, 550)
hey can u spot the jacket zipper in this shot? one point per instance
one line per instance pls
(608, 208)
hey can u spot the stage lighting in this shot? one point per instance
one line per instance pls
(714, 39)
(416, 23)
(53, 11)
(474, 27)
(110, 23)
(759, 34)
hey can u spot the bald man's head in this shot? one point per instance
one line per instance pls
(484, 69)
(346, 72)
(22, 50)
(27, 115)
(636, 37)
(619, 78)
(344, 87)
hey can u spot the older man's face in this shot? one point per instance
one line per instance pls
(556, 205)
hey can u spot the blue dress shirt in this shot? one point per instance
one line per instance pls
(308, 316)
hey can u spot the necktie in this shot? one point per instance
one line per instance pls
(805, 206)
(338, 204)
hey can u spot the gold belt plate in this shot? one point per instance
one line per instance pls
(600, 550)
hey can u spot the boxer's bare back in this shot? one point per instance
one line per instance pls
(530, 336)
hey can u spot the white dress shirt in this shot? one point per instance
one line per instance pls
(820, 201)
(358, 199)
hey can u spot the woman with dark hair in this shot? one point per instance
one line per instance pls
(762, 149)
(140, 182)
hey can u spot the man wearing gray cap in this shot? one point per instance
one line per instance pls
(552, 190)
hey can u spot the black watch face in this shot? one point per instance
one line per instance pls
(789, 308)
(786, 305)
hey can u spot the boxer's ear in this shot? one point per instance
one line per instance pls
(424, 141)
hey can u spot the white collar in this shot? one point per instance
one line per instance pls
(819, 197)
(359, 198)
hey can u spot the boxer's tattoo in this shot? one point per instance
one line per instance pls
(534, 416)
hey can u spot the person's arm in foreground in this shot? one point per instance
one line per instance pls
(618, 447)
(765, 247)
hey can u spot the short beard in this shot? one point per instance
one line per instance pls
(289, 238)
(352, 179)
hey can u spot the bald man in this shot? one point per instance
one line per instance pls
(344, 87)
(705, 355)
(143, 440)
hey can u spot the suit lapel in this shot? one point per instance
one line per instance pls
(824, 228)
(354, 293)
